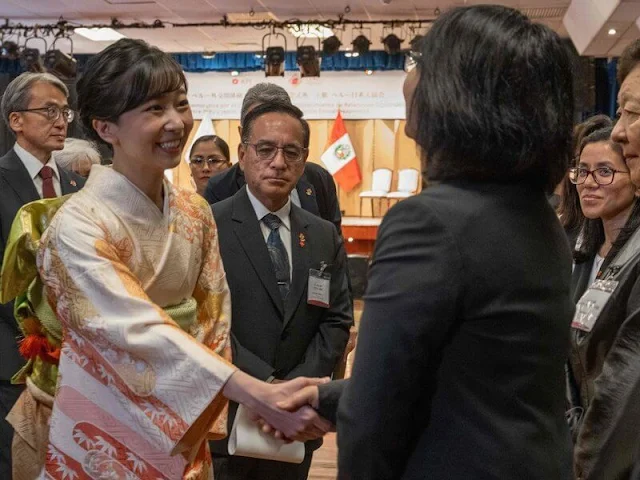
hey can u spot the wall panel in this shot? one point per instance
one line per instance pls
(378, 144)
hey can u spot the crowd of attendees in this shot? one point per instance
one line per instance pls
(500, 336)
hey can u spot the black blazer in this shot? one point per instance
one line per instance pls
(316, 189)
(459, 372)
(271, 337)
(16, 190)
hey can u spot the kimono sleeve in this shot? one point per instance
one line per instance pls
(117, 339)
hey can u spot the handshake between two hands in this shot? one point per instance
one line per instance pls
(287, 410)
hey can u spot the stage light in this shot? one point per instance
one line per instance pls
(361, 44)
(308, 61)
(60, 64)
(331, 45)
(274, 62)
(30, 60)
(392, 44)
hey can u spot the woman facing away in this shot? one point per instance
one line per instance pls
(131, 268)
(209, 156)
(459, 372)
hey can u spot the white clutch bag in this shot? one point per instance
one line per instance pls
(247, 440)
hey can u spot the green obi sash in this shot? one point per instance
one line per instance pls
(19, 281)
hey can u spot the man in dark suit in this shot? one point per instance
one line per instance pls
(315, 190)
(286, 270)
(36, 110)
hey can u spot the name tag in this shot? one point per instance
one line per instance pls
(591, 304)
(319, 288)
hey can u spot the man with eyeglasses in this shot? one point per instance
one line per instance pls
(35, 108)
(315, 190)
(286, 270)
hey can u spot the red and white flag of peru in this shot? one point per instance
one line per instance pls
(340, 157)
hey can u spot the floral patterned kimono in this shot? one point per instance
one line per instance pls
(137, 393)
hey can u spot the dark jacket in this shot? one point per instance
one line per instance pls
(16, 190)
(316, 189)
(459, 371)
(605, 364)
(270, 337)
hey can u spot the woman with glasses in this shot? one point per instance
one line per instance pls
(209, 155)
(610, 216)
(605, 338)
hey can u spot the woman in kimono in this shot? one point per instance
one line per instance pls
(131, 267)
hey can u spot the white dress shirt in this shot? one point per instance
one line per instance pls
(285, 228)
(33, 166)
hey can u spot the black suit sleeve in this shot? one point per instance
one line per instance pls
(328, 344)
(328, 399)
(209, 193)
(410, 306)
(249, 362)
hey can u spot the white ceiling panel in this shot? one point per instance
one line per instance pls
(179, 39)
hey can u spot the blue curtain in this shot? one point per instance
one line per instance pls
(250, 62)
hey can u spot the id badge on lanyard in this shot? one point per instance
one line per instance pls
(590, 305)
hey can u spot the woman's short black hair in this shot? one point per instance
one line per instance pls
(219, 142)
(494, 101)
(122, 77)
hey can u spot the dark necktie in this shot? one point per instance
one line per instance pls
(278, 253)
(46, 173)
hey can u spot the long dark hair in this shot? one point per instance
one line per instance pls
(591, 229)
(569, 210)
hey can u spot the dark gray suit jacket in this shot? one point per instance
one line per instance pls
(16, 190)
(459, 371)
(271, 337)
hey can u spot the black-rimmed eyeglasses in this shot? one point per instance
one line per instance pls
(602, 175)
(53, 112)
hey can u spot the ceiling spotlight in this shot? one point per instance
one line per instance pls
(234, 73)
(60, 64)
(392, 44)
(274, 62)
(368, 72)
(208, 55)
(331, 45)
(30, 60)
(308, 61)
(361, 44)
(612, 31)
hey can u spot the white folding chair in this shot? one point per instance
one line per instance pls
(380, 186)
(408, 179)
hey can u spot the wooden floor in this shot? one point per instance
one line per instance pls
(324, 465)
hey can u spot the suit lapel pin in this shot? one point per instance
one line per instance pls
(302, 240)
(73, 183)
(309, 192)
